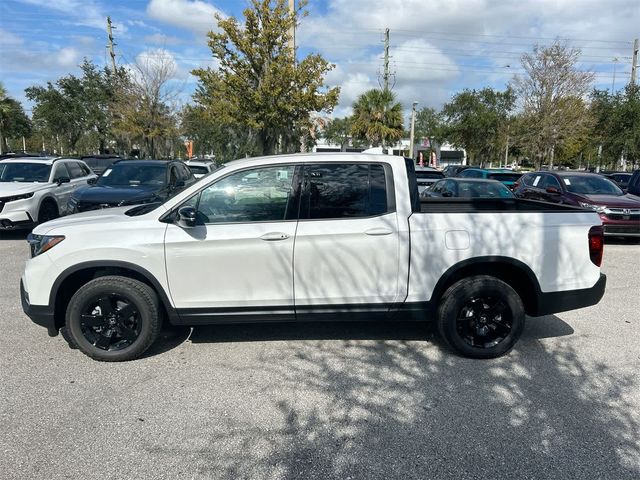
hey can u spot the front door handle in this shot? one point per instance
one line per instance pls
(379, 231)
(274, 236)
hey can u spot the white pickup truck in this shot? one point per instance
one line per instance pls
(311, 237)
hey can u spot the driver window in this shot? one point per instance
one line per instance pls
(258, 195)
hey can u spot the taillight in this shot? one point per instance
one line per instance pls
(596, 244)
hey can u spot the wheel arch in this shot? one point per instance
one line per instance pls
(71, 279)
(515, 273)
(46, 198)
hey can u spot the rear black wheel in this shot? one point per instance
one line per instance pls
(481, 317)
(114, 318)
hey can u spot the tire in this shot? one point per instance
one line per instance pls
(481, 317)
(67, 337)
(113, 318)
(48, 211)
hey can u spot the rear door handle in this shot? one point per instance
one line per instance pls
(379, 231)
(274, 236)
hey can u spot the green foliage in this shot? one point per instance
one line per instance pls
(338, 132)
(430, 125)
(616, 124)
(377, 118)
(258, 86)
(14, 124)
(477, 121)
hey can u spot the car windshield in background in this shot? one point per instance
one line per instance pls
(24, 172)
(590, 185)
(133, 175)
(483, 190)
(198, 170)
(429, 175)
(99, 163)
(505, 177)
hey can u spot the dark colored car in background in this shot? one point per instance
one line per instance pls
(506, 177)
(634, 184)
(425, 176)
(131, 182)
(620, 212)
(467, 188)
(620, 178)
(454, 170)
(99, 163)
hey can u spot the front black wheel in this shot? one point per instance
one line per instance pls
(481, 317)
(114, 318)
(48, 211)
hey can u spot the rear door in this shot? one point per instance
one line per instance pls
(347, 241)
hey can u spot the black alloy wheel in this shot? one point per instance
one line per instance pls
(481, 317)
(484, 322)
(48, 211)
(113, 318)
(110, 322)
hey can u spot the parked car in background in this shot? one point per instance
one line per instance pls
(505, 176)
(454, 170)
(130, 182)
(200, 169)
(621, 179)
(425, 176)
(99, 163)
(634, 184)
(619, 212)
(37, 189)
(467, 188)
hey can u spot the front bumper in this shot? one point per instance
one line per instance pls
(555, 302)
(42, 315)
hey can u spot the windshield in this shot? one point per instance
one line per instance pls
(505, 177)
(590, 185)
(198, 170)
(483, 190)
(24, 172)
(133, 175)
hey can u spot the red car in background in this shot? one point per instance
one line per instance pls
(620, 212)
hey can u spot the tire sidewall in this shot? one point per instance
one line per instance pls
(148, 313)
(457, 296)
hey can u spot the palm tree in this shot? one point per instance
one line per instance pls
(377, 118)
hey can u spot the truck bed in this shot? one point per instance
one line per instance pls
(469, 205)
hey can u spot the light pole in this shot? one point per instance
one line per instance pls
(413, 127)
(613, 83)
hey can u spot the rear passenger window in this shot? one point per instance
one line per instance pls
(74, 170)
(344, 191)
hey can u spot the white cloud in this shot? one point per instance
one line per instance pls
(68, 57)
(162, 39)
(79, 12)
(194, 15)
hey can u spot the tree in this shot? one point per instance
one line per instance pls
(145, 110)
(377, 118)
(13, 121)
(477, 121)
(552, 90)
(338, 132)
(258, 86)
(429, 125)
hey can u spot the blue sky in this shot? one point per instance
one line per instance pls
(437, 46)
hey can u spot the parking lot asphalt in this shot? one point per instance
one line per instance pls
(324, 401)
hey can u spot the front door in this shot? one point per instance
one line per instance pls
(238, 260)
(346, 252)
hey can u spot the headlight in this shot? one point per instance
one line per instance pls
(589, 206)
(24, 196)
(41, 243)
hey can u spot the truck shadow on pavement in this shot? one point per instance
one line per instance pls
(376, 401)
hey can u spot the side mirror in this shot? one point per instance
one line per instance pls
(92, 181)
(553, 190)
(178, 184)
(61, 180)
(187, 217)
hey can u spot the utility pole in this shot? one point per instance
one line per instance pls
(634, 61)
(292, 30)
(613, 83)
(413, 127)
(385, 76)
(112, 54)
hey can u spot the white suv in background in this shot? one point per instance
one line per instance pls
(34, 190)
